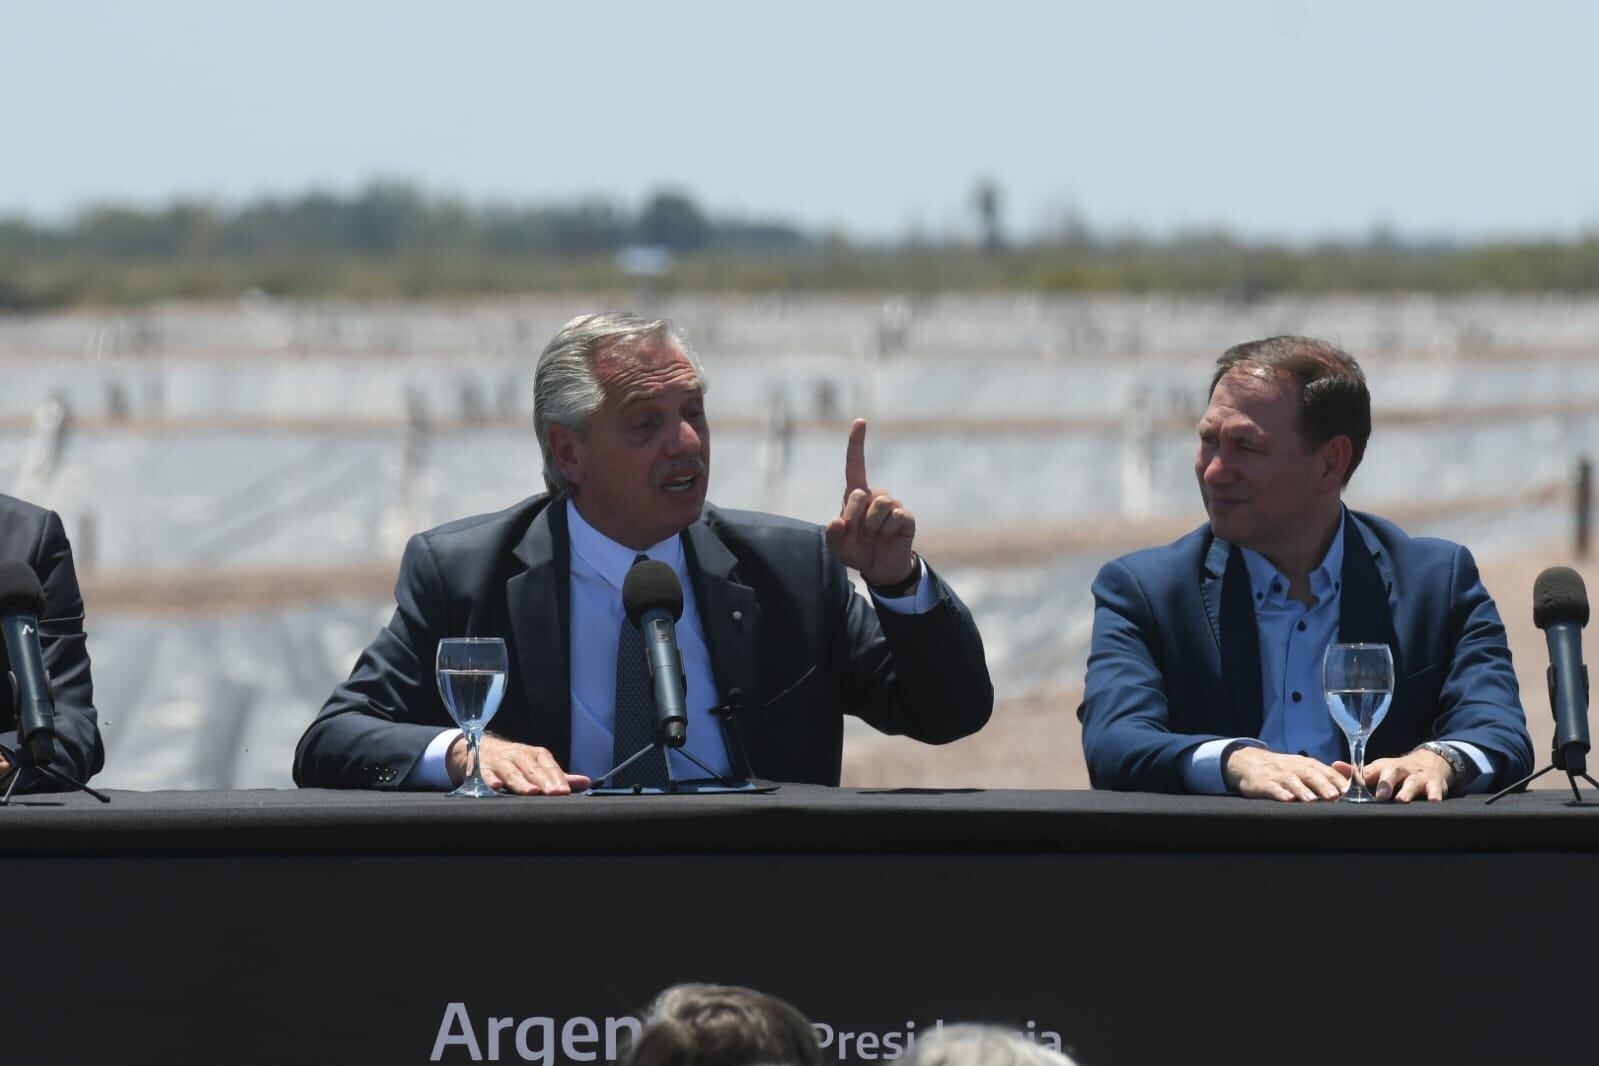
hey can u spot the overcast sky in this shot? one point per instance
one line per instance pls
(1270, 117)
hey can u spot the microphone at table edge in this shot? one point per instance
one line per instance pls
(1560, 609)
(652, 596)
(21, 603)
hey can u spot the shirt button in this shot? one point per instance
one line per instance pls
(1297, 697)
(1301, 627)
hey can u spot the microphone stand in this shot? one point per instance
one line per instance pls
(22, 758)
(1569, 758)
(19, 760)
(1557, 762)
(713, 782)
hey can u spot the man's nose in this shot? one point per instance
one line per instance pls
(1215, 470)
(686, 441)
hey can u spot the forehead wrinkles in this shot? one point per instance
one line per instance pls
(641, 373)
(1226, 418)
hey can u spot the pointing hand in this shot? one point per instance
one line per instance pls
(873, 531)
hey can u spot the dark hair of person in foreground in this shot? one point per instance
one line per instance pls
(723, 1025)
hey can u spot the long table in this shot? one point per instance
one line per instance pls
(310, 926)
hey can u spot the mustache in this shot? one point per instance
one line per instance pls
(691, 464)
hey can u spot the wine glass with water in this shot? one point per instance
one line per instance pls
(1359, 682)
(471, 681)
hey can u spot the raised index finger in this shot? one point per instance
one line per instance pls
(855, 458)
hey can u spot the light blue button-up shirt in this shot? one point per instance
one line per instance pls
(1293, 639)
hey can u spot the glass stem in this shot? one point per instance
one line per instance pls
(1357, 755)
(472, 738)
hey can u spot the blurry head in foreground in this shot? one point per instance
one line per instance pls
(979, 1045)
(723, 1025)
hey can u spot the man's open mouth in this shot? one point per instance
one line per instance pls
(680, 483)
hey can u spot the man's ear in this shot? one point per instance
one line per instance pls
(564, 447)
(1336, 455)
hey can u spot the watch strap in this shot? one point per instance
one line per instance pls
(904, 587)
(1465, 770)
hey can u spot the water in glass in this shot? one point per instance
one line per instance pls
(471, 675)
(472, 696)
(1358, 710)
(1358, 680)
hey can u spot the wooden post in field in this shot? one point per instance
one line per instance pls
(1582, 497)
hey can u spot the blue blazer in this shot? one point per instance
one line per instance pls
(1175, 659)
(783, 625)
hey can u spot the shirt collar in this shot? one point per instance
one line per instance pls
(611, 560)
(1270, 587)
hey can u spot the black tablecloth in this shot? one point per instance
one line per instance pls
(283, 926)
(794, 818)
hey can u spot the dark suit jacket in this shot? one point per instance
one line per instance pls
(782, 623)
(35, 536)
(1176, 655)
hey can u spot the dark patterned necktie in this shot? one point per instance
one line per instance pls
(635, 711)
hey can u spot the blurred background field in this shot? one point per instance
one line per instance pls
(273, 280)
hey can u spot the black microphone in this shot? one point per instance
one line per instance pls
(653, 599)
(1560, 609)
(21, 603)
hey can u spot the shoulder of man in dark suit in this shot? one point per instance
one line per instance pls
(484, 541)
(35, 535)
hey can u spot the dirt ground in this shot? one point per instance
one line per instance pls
(1035, 742)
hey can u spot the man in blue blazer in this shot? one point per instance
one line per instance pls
(1205, 670)
(777, 645)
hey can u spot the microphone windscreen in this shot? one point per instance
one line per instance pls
(1559, 596)
(649, 586)
(19, 588)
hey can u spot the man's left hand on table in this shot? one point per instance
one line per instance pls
(1415, 775)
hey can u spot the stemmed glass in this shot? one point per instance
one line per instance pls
(471, 680)
(1359, 682)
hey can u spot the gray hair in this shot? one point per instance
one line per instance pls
(723, 1025)
(565, 389)
(979, 1045)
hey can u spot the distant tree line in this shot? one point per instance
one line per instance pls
(394, 240)
(386, 218)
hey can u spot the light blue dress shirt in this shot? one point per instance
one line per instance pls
(1293, 639)
(598, 568)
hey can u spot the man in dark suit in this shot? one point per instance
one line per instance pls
(35, 536)
(1205, 668)
(777, 645)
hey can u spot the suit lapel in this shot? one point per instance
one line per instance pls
(1364, 615)
(730, 618)
(1210, 584)
(1225, 590)
(537, 598)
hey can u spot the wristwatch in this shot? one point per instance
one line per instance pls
(1465, 769)
(905, 586)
